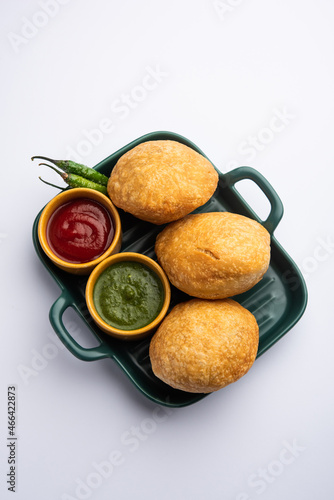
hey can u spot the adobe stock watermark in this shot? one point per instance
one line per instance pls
(40, 358)
(120, 109)
(130, 441)
(225, 7)
(263, 309)
(322, 251)
(254, 144)
(263, 477)
(30, 27)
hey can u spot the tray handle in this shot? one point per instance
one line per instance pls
(56, 319)
(276, 211)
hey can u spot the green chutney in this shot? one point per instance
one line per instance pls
(128, 295)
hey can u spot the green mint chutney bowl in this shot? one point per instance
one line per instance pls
(128, 295)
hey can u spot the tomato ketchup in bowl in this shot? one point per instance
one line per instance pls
(78, 228)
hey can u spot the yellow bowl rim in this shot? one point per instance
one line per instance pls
(119, 257)
(64, 197)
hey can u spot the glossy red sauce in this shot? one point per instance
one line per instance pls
(80, 230)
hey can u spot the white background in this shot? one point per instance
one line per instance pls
(225, 69)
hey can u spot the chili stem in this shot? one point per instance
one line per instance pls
(63, 175)
(49, 184)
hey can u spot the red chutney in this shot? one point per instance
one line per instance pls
(80, 230)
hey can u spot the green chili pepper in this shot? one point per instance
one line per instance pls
(71, 167)
(76, 181)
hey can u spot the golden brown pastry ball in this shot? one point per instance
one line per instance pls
(161, 181)
(204, 345)
(214, 255)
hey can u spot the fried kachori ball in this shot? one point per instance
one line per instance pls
(204, 345)
(214, 255)
(161, 181)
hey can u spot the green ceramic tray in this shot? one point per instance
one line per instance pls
(277, 301)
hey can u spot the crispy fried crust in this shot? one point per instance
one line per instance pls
(214, 255)
(204, 345)
(161, 181)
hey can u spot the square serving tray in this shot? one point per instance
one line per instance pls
(277, 301)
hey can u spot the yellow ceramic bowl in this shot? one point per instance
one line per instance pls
(127, 257)
(70, 195)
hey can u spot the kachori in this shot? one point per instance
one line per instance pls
(214, 255)
(204, 345)
(161, 181)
